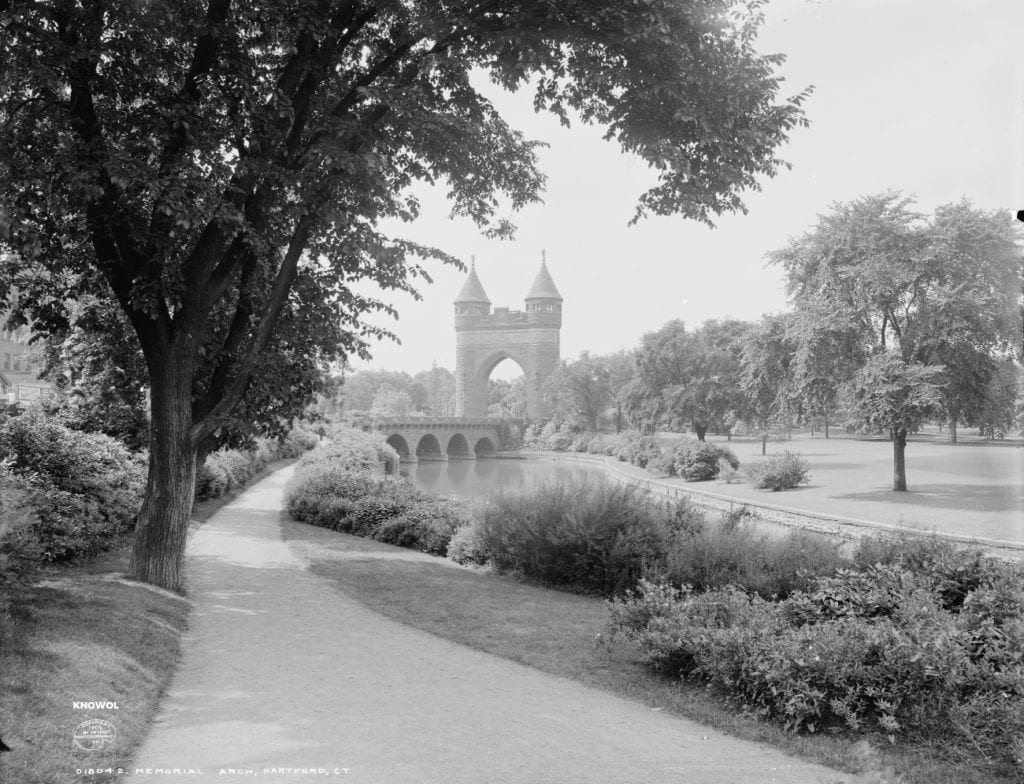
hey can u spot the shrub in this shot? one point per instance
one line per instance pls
(341, 486)
(298, 441)
(698, 461)
(591, 536)
(870, 650)
(639, 450)
(779, 472)
(581, 443)
(727, 472)
(84, 489)
(227, 469)
(354, 450)
(663, 465)
(466, 546)
(734, 552)
(428, 526)
(16, 520)
(382, 501)
(312, 490)
(957, 570)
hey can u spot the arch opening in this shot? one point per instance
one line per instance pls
(429, 448)
(458, 446)
(484, 448)
(400, 445)
(504, 379)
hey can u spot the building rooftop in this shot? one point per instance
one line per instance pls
(543, 286)
(472, 289)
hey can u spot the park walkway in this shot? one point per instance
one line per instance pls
(285, 679)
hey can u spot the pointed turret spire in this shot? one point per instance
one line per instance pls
(472, 289)
(543, 286)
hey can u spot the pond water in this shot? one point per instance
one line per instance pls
(479, 478)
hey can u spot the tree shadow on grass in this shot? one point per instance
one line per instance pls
(981, 498)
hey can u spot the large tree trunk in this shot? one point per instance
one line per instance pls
(826, 426)
(952, 427)
(899, 466)
(162, 529)
(700, 430)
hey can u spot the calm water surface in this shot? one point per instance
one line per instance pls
(479, 478)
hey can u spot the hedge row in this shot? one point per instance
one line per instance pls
(351, 485)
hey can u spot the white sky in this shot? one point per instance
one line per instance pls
(923, 96)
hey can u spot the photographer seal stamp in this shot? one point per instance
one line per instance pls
(94, 735)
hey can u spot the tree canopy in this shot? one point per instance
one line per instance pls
(220, 169)
(918, 306)
(693, 377)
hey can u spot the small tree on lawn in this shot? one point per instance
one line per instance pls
(896, 397)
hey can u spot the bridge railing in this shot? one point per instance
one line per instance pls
(428, 421)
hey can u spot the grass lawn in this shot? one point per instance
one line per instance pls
(972, 488)
(563, 634)
(80, 634)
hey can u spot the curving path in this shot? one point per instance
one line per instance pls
(285, 677)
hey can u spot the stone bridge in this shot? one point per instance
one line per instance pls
(441, 438)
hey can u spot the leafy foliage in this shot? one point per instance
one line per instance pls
(581, 391)
(779, 472)
(83, 490)
(692, 378)
(868, 650)
(732, 551)
(891, 395)
(590, 536)
(342, 486)
(699, 461)
(221, 172)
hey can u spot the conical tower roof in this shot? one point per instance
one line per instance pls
(472, 289)
(543, 286)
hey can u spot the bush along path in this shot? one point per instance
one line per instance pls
(283, 674)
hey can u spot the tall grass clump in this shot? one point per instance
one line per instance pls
(732, 551)
(590, 536)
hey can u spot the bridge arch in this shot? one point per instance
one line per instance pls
(397, 442)
(484, 447)
(429, 448)
(458, 446)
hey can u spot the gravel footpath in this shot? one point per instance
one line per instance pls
(285, 679)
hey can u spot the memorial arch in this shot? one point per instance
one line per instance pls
(530, 338)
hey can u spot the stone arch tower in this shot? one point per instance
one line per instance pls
(483, 339)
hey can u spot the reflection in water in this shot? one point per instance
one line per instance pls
(479, 478)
